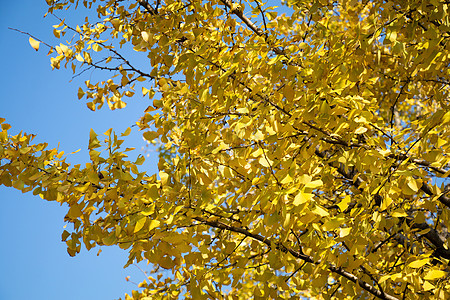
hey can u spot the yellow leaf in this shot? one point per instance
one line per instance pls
(79, 57)
(286, 180)
(164, 177)
(74, 211)
(419, 263)
(360, 130)
(435, 274)
(259, 136)
(333, 223)
(110, 239)
(305, 179)
(446, 118)
(387, 201)
(302, 197)
(65, 235)
(149, 109)
(344, 203)
(92, 135)
(265, 161)
(384, 278)
(152, 192)
(80, 93)
(168, 60)
(5, 126)
(343, 232)
(153, 224)
(413, 184)
(166, 262)
(320, 211)
(258, 152)
(428, 286)
(126, 176)
(94, 155)
(399, 213)
(140, 160)
(127, 132)
(139, 224)
(392, 36)
(96, 47)
(93, 177)
(314, 184)
(34, 43)
(148, 211)
(145, 36)
(108, 132)
(289, 93)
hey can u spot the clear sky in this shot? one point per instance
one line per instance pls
(34, 263)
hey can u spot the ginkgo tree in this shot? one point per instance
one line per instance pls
(303, 146)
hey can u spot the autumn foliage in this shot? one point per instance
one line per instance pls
(303, 147)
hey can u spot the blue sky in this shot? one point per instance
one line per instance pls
(33, 259)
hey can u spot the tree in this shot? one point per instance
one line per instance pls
(303, 150)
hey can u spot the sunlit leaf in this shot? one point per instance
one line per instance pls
(34, 43)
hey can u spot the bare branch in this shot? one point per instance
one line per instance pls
(30, 35)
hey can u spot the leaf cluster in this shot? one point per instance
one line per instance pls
(304, 149)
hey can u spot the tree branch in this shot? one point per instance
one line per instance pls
(240, 14)
(278, 245)
(432, 235)
(148, 7)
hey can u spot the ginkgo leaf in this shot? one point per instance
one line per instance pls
(360, 130)
(344, 203)
(302, 197)
(109, 239)
(428, 286)
(343, 232)
(139, 224)
(419, 263)
(126, 132)
(399, 213)
(153, 224)
(145, 36)
(320, 211)
(164, 177)
(333, 223)
(74, 212)
(295, 150)
(35, 44)
(412, 184)
(435, 274)
(314, 184)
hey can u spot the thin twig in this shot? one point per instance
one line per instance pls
(30, 35)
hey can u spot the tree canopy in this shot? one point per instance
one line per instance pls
(303, 148)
